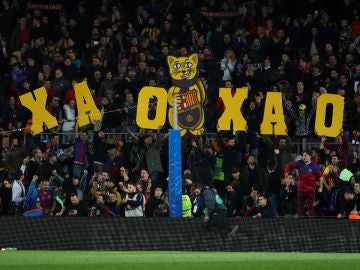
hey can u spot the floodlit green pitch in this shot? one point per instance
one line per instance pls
(88, 260)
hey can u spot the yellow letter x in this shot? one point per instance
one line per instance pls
(232, 109)
(39, 113)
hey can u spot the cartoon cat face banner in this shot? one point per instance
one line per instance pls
(187, 97)
(189, 94)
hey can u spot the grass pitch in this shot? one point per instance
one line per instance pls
(149, 260)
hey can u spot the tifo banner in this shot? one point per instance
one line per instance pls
(220, 14)
(44, 5)
(187, 96)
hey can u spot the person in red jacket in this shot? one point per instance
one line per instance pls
(309, 173)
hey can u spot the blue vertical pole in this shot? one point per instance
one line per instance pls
(175, 173)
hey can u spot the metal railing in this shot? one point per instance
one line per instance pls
(204, 140)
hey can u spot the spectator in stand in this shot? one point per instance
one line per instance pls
(60, 84)
(34, 163)
(18, 193)
(274, 180)
(12, 115)
(133, 202)
(152, 31)
(75, 60)
(331, 171)
(49, 90)
(245, 20)
(215, 209)
(25, 87)
(150, 156)
(97, 182)
(54, 146)
(76, 207)
(309, 174)
(201, 162)
(235, 203)
(154, 202)
(110, 188)
(46, 69)
(82, 148)
(95, 80)
(356, 209)
(5, 147)
(20, 34)
(101, 145)
(69, 69)
(76, 184)
(111, 114)
(253, 174)
(98, 207)
(343, 202)
(31, 70)
(129, 107)
(17, 75)
(116, 160)
(15, 156)
(288, 197)
(49, 168)
(45, 198)
(346, 36)
(70, 95)
(68, 126)
(145, 184)
(340, 147)
(107, 54)
(123, 180)
(108, 84)
(5, 196)
(113, 205)
(264, 209)
(231, 155)
(227, 64)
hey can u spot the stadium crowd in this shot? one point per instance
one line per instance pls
(302, 49)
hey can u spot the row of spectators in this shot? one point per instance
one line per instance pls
(102, 176)
(302, 49)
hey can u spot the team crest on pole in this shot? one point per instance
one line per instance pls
(189, 94)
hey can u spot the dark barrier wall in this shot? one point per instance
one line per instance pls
(286, 235)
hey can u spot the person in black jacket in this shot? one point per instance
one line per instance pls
(236, 202)
(101, 146)
(77, 208)
(274, 177)
(231, 155)
(264, 208)
(201, 162)
(154, 202)
(288, 197)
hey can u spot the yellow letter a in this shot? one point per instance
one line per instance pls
(273, 121)
(87, 109)
(39, 113)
